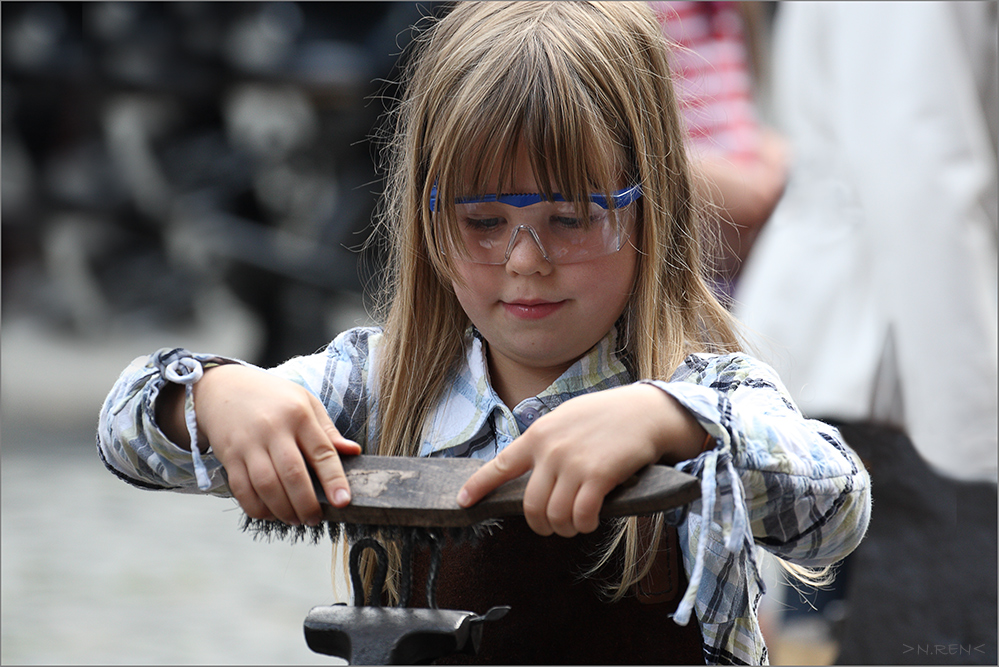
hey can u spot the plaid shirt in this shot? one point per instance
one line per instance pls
(774, 479)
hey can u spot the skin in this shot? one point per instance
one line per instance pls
(745, 194)
(539, 318)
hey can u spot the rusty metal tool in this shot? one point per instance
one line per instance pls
(405, 491)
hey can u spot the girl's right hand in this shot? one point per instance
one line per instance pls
(263, 429)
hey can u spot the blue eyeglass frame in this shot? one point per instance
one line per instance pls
(620, 198)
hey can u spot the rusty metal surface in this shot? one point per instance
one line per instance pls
(409, 491)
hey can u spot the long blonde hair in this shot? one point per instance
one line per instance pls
(586, 88)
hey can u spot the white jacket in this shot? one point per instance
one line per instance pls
(872, 289)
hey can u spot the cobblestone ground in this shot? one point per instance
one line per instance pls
(95, 571)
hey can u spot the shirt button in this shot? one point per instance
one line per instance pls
(529, 415)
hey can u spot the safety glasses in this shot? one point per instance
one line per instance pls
(618, 199)
(490, 225)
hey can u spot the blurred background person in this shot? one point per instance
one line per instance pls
(740, 166)
(872, 290)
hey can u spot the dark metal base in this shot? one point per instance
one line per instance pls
(395, 635)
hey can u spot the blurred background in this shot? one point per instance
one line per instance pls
(177, 173)
(201, 175)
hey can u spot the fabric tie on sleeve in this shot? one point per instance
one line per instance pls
(179, 367)
(720, 483)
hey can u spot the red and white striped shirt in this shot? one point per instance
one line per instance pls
(712, 78)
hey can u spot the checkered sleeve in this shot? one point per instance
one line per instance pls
(340, 378)
(773, 479)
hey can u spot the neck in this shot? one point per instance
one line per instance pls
(514, 382)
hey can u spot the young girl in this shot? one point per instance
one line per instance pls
(544, 310)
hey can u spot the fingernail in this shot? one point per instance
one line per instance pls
(341, 497)
(463, 498)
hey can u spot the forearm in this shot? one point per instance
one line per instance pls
(170, 416)
(808, 493)
(743, 195)
(171, 409)
(681, 436)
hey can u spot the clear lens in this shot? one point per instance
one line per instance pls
(491, 230)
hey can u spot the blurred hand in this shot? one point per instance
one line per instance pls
(745, 193)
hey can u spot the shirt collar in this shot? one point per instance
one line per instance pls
(469, 401)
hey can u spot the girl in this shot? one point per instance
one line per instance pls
(544, 309)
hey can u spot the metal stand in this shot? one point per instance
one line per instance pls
(370, 634)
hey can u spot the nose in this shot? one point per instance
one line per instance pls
(524, 256)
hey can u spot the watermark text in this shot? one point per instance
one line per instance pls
(943, 649)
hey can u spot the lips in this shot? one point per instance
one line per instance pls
(531, 309)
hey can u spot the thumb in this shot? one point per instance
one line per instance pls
(341, 444)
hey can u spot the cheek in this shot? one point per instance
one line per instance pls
(473, 290)
(613, 280)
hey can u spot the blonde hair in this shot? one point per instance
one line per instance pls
(585, 88)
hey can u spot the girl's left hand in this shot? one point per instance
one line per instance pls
(583, 449)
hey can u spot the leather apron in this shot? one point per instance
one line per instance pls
(556, 615)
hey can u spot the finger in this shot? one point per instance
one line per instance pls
(340, 443)
(320, 447)
(294, 477)
(586, 508)
(346, 447)
(508, 464)
(242, 491)
(268, 487)
(559, 510)
(537, 499)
